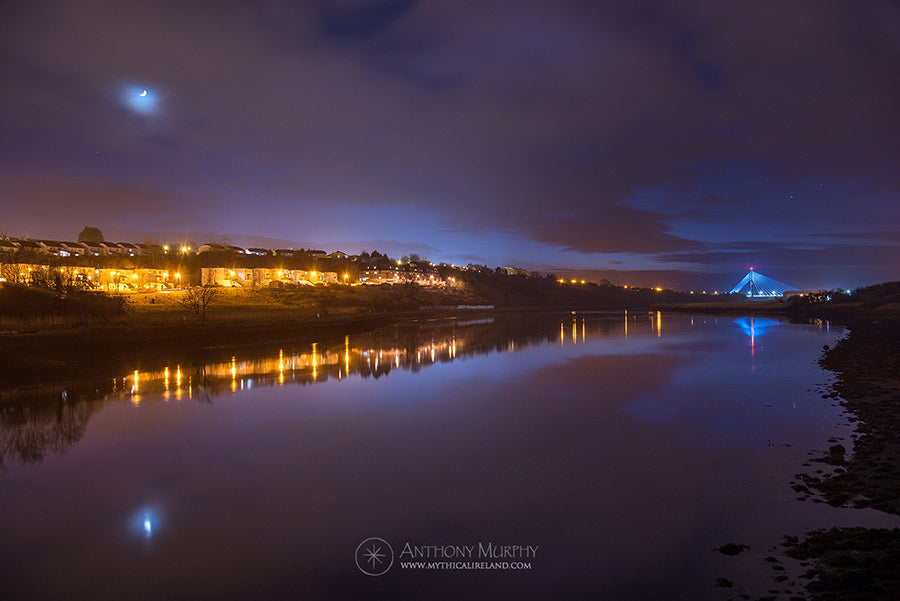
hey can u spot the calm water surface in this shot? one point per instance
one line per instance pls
(610, 453)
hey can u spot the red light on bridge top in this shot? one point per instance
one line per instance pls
(751, 268)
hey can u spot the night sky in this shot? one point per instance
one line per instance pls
(660, 143)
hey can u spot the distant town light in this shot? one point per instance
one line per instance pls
(658, 289)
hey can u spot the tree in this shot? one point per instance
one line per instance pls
(198, 299)
(90, 234)
(14, 273)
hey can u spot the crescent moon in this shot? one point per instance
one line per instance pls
(143, 93)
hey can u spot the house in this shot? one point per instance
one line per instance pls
(259, 252)
(338, 255)
(129, 249)
(149, 250)
(8, 246)
(317, 253)
(209, 247)
(72, 249)
(380, 276)
(323, 277)
(285, 252)
(32, 246)
(112, 249)
(53, 247)
(222, 276)
(92, 249)
(235, 249)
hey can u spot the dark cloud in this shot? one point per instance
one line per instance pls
(616, 229)
(657, 130)
(360, 20)
(892, 236)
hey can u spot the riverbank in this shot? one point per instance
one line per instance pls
(158, 327)
(46, 334)
(852, 563)
(846, 563)
(93, 350)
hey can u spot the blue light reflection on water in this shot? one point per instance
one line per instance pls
(755, 327)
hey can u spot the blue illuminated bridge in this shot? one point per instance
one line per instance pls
(756, 285)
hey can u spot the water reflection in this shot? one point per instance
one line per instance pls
(30, 431)
(610, 453)
(35, 421)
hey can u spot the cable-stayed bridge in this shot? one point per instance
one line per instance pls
(756, 285)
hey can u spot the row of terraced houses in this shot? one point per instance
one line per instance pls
(124, 266)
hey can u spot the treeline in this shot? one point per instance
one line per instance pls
(868, 297)
(520, 291)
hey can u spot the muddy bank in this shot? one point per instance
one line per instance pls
(848, 564)
(858, 563)
(867, 368)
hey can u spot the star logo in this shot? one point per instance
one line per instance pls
(374, 556)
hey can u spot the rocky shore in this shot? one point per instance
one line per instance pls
(854, 563)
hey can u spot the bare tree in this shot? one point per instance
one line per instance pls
(197, 299)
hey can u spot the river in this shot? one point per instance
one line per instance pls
(509, 456)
